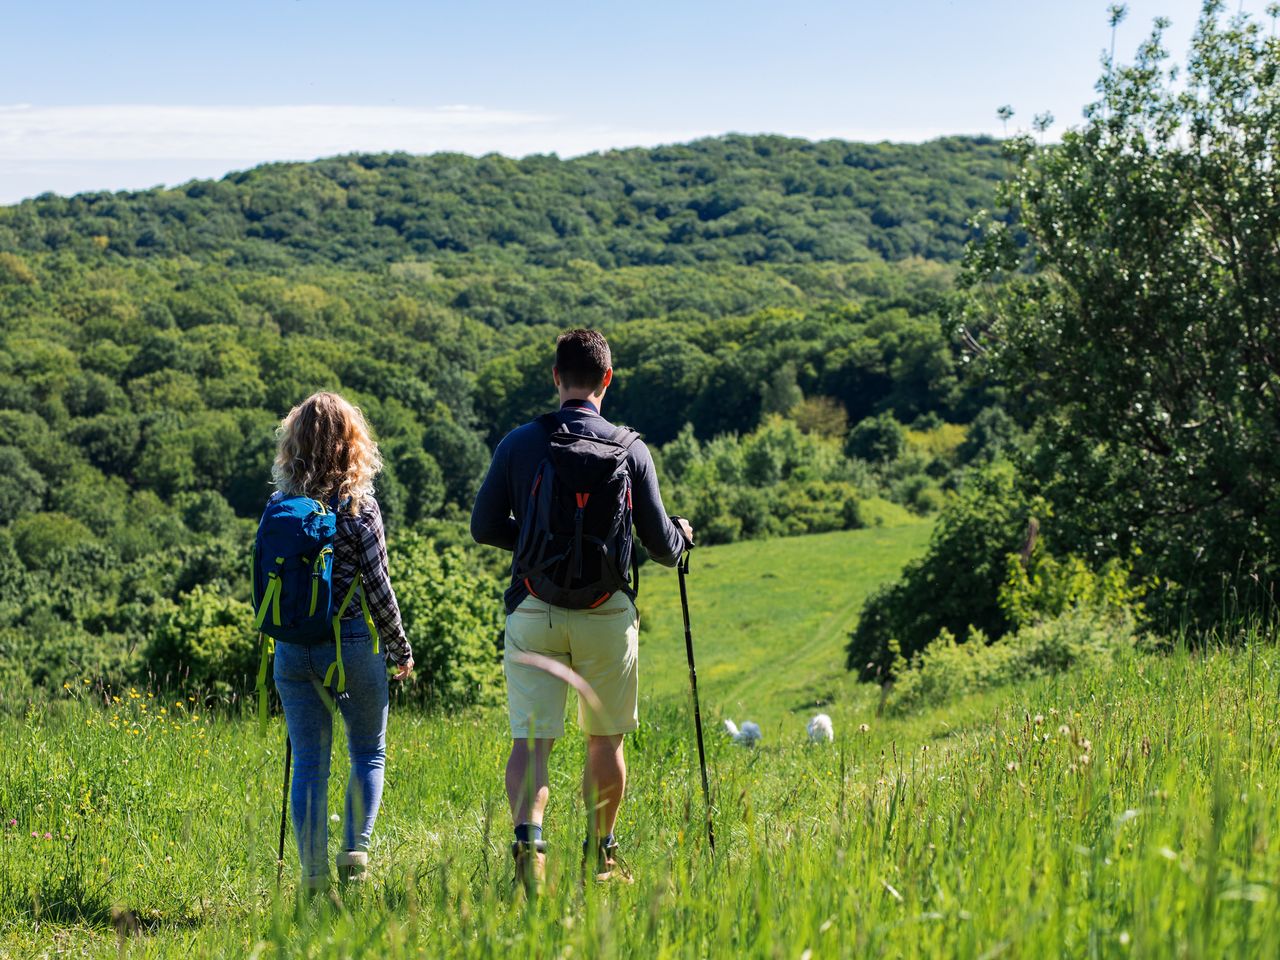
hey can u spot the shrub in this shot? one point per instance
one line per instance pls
(452, 616)
(207, 640)
(1047, 587)
(946, 669)
(955, 584)
(878, 439)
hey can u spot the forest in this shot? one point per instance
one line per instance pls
(733, 199)
(776, 310)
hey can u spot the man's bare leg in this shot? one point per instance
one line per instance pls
(604, 780)
(528, 786)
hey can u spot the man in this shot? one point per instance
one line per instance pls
(596, 637)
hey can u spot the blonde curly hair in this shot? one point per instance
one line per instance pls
(324, 449)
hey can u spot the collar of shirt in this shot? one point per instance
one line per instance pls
(580, 404)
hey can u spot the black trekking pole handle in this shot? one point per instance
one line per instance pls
(682, 568)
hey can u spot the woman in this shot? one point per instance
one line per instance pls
(325, 452)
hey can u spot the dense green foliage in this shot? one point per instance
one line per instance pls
(1136, 331)
(140, 382)
(946, 670)
(731, 199)
(1145, 345)
(955, 585)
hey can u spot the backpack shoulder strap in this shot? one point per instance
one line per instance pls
(624, 437)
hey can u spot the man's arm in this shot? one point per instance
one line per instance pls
(491, 520)
(660, 536)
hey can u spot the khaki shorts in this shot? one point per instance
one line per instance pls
(600, 645)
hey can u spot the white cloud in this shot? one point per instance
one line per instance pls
(130, 146)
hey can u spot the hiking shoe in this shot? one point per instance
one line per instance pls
(610, 867)
(353, 867)
(531, 866)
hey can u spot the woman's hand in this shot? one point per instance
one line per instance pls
(403, 671)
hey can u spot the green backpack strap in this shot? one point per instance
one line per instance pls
(336, 668)
(270, 598)
(268, 649)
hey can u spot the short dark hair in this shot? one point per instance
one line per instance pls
(582, 357)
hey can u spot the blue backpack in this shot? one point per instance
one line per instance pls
(292, 590)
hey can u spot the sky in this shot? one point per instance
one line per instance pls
(135, 93)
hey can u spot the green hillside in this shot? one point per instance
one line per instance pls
(733, 199)
(776, 310)
(769, 624)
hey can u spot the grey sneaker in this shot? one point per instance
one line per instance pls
(353, 867)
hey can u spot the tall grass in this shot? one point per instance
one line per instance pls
(1126, 811)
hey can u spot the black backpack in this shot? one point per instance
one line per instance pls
(575, 546)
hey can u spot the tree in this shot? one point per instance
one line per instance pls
(1146, 344)
(879, 439)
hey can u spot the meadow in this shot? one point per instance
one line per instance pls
(1123, 812)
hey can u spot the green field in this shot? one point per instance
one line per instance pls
(769, 622)
(1129, 812)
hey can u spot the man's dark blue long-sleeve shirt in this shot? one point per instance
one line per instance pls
(504, 495)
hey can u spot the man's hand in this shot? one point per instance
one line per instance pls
(403, 671)
(686, 528)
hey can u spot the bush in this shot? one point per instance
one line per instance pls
(877, 512)
(956, 584)
(879, 439)
(206, 640)
(1047, 587)
(946, 669)
(452, 616)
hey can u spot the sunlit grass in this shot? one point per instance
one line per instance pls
(1129, 812)
(1125, 813)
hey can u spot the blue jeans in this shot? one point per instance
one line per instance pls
(299, 676)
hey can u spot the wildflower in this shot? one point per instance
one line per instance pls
(1011, 766)
(1124, 938)
(1039, 719)
(1086, 745)
(863, 727)
(48, 835)
(334, 818)
(1084, 760)
(1064, 730)
(13, 823)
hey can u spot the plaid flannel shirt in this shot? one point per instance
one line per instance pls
(361, 546)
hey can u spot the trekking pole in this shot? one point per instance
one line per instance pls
(683, 569)
(284, 807)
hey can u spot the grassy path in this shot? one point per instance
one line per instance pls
(770, 621)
